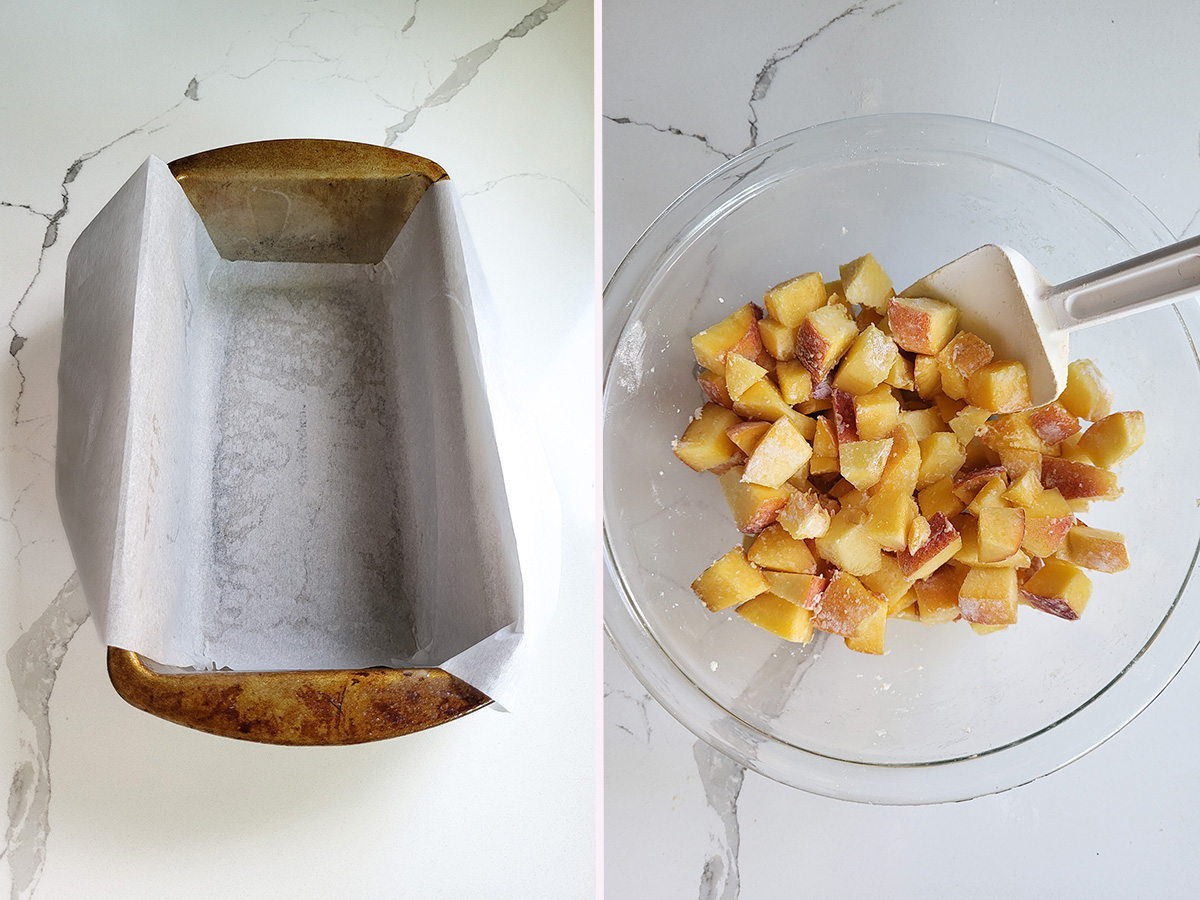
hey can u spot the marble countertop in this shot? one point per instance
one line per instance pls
(687, 86)
(105, 801)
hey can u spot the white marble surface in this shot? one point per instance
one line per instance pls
(685, 87)
(105, 801)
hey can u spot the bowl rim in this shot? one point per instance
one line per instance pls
(1018, 762)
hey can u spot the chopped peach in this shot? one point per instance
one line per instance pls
(989, 596)
(762, 400)
(888, 516)
(1114, 438)
(713, 385)
(964, 355)
(1044, 535)
(1011, 431)
(901, 375)
(790, 301)
(754, 506)
(741, 374)
(864, 283)
(941, 456)
(876, 414)
(923, 422)
(989, 496)
(777, 339)
(940, 497)
(737, 332)
(1058, 588)
(704, 444)
(903, 463)
(747, 434)
(862, 462)
(845, 423)
(773, 548)
(888, 582)
(824, 336)
(776, 615)
(1097, 549)
(845, 605)
(967, 421)
(1001, 386)
(937, 594)
(804, 516)
(867, 363)
(1079, 481)
(927, 378)
(730, 580)
(1053, 424)
(869, 636)
(1087, 395)
(1001, 531)
(848, 544)
(795, 383)
(919, 325)
(777, 456)
(944, 541)
(801, 588)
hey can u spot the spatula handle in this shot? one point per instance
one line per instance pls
(1167, 275)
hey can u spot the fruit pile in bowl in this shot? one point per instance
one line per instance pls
(942, 713)
(930, 491)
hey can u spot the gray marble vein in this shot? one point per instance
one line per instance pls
(466, 67)
(637, 725)
(671, 129)
(722, 779)
(50, 238)
(766, 75)
(411, 19)
(33, 662)
(487, 186)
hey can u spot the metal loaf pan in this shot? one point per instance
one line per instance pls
(300, 201)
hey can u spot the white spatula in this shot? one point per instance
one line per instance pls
(1003, 299)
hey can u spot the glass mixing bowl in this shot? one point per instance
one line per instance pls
(944, 714)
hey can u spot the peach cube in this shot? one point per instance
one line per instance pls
(778, 455)
(1114, 438)
(801, 588)
(777, 339)
(989, 596)
(867, 363)
(943, 542)
(804, 516)
(920, 325)
(1097, 549)
(869, 636)
(965, 354)
(824, 336)
(795, 383)
(864, 283)
(862, 462)
(737, 332)
(1058, 588)
(704, 444)
(740, 374)
(937, 594)
(1087, 395)
(754, 506)
(1001, 387)
(779, 617)
(848, 544)
(1079, 481)
(845, 605)
(730, 580)
(790, 301)
(774, 548)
